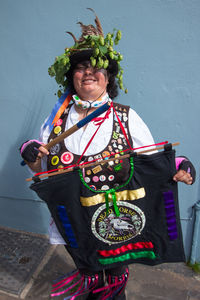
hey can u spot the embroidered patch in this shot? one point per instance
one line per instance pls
(112, 229)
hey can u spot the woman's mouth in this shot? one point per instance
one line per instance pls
(88, 80)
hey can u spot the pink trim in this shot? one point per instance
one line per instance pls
(27, 143)
(178, 161)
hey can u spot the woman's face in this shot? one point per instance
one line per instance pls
(90, 83)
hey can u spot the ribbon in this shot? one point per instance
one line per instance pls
(58, 109)
(112, 192)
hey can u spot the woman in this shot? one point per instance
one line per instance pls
(91, 87)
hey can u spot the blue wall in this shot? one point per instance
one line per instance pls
(161, 48)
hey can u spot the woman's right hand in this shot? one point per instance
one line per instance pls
(32, 151)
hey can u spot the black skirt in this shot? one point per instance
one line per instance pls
(143, 227)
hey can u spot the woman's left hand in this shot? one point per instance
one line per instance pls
(183, 176)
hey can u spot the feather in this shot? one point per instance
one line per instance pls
(98, 24)
(74, 38)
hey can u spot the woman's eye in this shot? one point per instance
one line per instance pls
(80, 69)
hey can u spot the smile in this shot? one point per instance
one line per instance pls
(88, 80)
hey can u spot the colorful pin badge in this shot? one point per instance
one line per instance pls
(67, 158)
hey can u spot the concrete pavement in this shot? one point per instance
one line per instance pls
(164, 282)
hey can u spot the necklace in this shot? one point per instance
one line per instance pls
(90, 103)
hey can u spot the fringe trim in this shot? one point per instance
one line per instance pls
(80, 284)
(116, 285)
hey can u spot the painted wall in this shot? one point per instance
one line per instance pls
(161, 48)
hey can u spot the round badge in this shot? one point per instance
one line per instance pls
(120, 147)
(95, 178)
(59, 122)
(93, 187)
(57, 129)
(102, 178)
(90, 158)
(55, 149)
(111, 177)
(55, 160)
(67, 158)
(105, 187)
(88, 172)
(60, 168)
(112, 229)
(105, 153)
(87, 179)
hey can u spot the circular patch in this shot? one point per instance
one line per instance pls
(60, 168)
(55, 160)
(59, 122)
(102, 178)
(90, 158)
(95, 178)
(93, 187)
(67, 158)
(87, 179)
(88, 172)
(57, 129)
(114, 230)
(111, 177)
(105, 153)
(55, 149)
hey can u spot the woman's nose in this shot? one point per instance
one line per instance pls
(88, 70)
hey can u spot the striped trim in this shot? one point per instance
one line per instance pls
(67, 226)
(125, 248)
(132, 255)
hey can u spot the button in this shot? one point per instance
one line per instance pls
(60, 168)
(55, 149)
(95, 178)
(87, 179)
(57, 129)
(105, 153)
(67, 158)
(88, 172)
(102, 178)
(93, 187)
(111, 177)
(59, 122)
(55, 160)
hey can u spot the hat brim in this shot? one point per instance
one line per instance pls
(84, 55)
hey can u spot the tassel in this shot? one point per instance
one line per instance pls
(116, 285)
(74, 284)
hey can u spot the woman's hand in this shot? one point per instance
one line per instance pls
(183, 176)
(185, 170)
(32, 151)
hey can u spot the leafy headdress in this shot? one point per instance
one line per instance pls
(94, 45)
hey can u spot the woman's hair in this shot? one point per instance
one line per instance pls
(112, 70)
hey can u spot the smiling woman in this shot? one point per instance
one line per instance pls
(90, 75)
